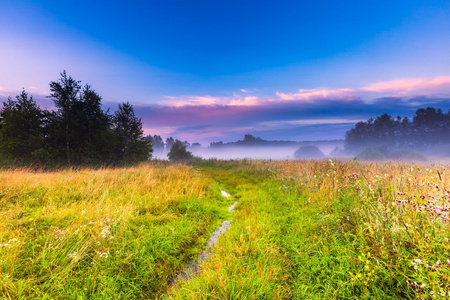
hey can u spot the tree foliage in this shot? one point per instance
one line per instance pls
(428, 128)
(157, 143)
(178, 151)
(21, 134)
(132, 147)
(78, 131)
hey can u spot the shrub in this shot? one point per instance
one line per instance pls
(178, 152)
(407, 154)
(373, 153)
(309, 152)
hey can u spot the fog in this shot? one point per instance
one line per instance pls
(256, 152)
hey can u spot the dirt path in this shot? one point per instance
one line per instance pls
(192, 268)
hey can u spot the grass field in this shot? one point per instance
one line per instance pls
(301, 230)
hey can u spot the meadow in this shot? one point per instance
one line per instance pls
(300, 230)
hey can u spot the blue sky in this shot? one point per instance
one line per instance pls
(215, 70)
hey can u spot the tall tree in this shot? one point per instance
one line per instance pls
(64, 93)
(169, 142)
(157, 143)
(132, 147)
(21, 135)
(93, 128)
(430, 126)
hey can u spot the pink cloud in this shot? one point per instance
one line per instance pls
(246, 101)
(410, 85)
(318, 94)
(236, 100)
(393, 88)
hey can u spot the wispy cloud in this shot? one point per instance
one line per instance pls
(396, 88)
(318, 94)
(236, 100)
(309, 122)
(407, 86)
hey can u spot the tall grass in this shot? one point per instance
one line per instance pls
(108, 233)
(301, 230)
(330, 230)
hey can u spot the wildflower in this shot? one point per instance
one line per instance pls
(438, 264)
(103, 254)
(73, 255)
(106, 233)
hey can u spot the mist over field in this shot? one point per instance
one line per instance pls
(257, 152)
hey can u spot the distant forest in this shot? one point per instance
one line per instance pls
(428, 129)
(251, 140)
(77, 132)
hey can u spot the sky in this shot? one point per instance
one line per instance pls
(207, 71)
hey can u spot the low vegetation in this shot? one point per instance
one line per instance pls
(108, 233)
(301, 230)
(309, 152)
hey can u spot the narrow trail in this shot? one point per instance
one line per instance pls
(192, 268)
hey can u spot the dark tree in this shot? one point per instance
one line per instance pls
(158, 143)
(64, 93)
(429, 128)
(178, 152)
(216, 144)
(251, 140)
(79, 131)
(169, 142)
(21, 133)
(94, 135)
(131, 145)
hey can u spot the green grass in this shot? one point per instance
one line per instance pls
(301, 230)
(86, 234)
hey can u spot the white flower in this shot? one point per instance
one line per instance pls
(103, 254)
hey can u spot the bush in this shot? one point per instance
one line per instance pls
(383, 153)
(407, 154)
(373, 153)
(178, 152)
(309, 152)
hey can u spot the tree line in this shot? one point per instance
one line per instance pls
(428, 128)
(77, 132)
